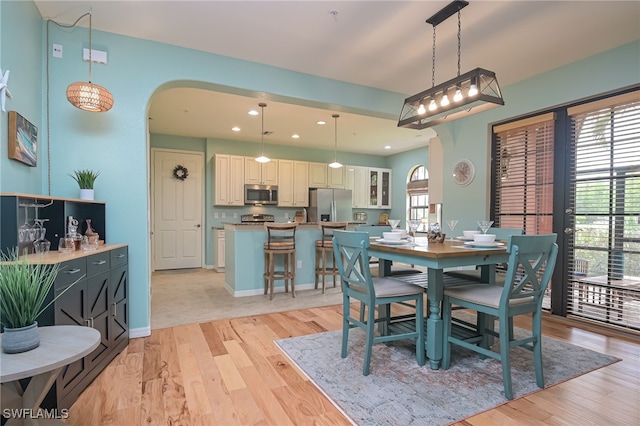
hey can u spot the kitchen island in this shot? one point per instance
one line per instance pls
(244, 257)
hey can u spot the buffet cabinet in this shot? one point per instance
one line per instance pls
(98, 299)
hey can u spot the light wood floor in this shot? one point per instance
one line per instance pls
(229, 372)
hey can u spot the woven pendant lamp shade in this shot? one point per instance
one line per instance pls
(89, 97)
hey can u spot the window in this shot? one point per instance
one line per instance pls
(418, 195)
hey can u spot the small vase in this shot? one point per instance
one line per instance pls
(17, 340)
(86, 194)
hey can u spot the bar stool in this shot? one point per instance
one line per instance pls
(324, 246)
(281, 240)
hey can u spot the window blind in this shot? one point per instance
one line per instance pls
(604, 190)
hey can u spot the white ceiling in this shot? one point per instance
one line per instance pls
(382, 44)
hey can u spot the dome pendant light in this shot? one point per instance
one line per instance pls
(335, 164)
(89, 96)
(262, 158)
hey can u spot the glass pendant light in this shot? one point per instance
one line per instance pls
(263, 158)
(335, 164)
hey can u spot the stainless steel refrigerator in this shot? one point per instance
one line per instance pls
(329, 205)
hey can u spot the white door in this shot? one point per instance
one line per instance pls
(177, 209)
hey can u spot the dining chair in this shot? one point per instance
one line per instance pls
(532, 259)
(351, 248)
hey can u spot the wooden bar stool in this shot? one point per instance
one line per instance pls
(324, 247)
(281, 240)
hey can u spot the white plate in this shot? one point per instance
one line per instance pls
(396, 242)
(492, 244)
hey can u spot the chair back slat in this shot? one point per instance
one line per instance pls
(532, 260)
(279, 234)
(353, 248)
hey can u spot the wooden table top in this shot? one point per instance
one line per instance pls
(60, 345)
(446, 249)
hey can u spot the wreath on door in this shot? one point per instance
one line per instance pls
(180, 172)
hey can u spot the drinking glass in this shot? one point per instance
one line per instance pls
(394, 223)
(66, 245)
(451, 223)
(485, 225)
(413, 227)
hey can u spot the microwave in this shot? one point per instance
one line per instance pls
(260, 194)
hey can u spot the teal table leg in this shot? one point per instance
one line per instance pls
(434, 321)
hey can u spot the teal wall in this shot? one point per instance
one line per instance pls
(21, 53)
(116, 142)
(402, 165)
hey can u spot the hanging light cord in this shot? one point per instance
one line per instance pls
(433, 59)
(262, 132)
(459, 40)
(335, 146)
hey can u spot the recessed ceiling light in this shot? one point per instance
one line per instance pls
(235, 129)
(387, 147)
(253, 112)
(295, 136)
(321, 122)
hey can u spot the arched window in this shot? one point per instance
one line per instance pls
(418, 195)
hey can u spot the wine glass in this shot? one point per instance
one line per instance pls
(394, 223)
(485, 225)
(413, 227)
(451, 223)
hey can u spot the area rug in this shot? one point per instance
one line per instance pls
(399, 392)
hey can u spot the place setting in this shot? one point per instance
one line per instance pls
(473, 239)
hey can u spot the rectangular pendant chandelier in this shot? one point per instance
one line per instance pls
(463, 95)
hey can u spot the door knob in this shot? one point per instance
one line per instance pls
(197, 226)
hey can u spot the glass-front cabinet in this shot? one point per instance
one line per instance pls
(379, 188)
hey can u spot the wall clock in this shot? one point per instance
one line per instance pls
(463, 172)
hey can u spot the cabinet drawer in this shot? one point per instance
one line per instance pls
(70, 272)
(98, 263)
(119, 257)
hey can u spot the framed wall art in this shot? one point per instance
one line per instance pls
(23, 140)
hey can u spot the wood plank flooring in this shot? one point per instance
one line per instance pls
(229, 372)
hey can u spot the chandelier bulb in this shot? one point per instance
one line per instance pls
(458, 96)
(432, 105)
(473, 90)
(421, 109)
(445, 101)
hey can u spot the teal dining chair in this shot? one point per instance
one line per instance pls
(358, 284)
(532, 259)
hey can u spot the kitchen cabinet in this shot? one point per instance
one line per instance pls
(219, 247)
(318, 175)
(323, 176)
(229, 180)
(336, 177)
(98, 300)
(293, 183)
(357, 180)
(260, 173)
(379, 188)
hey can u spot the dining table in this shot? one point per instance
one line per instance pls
(438, 257)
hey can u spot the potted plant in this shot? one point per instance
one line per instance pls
(85, 180)
(23, 291)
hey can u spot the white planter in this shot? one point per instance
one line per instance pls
(86, 194)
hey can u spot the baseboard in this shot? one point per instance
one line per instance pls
(139, 332)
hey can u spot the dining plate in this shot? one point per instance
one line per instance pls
(492, 244)
(392, 242)
(463, 238)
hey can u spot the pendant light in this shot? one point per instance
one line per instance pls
(335, 164)
(89, 96)
(262, 158)
(461, 96)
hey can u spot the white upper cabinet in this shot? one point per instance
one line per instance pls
(357, 180)
(229, 180)
(260, 173)
(293, 183)
(336, 177)
(318, 175)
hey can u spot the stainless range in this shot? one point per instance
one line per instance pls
(257, 218)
